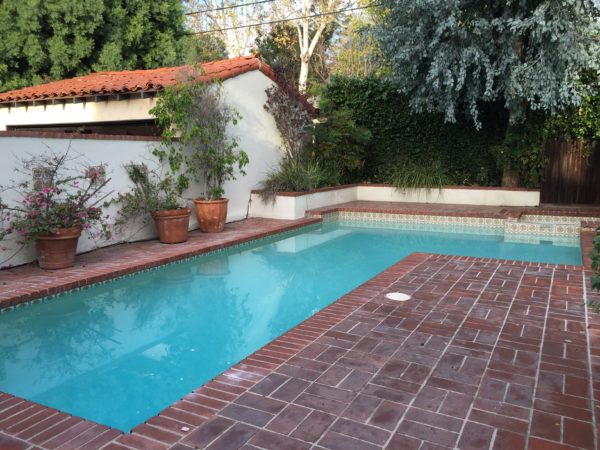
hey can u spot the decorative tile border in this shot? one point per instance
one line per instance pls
(558, 225)
(488, 222)
(524, 231)
(542, 229)
(539, 218)
(542, 218)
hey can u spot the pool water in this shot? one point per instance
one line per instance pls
(120, 352)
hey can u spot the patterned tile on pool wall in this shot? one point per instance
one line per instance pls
(331, 217)
(542, 229)
(556, 219)
(421, 219)
(515, 230)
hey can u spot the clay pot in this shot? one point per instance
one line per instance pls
(172, 225)
(211, 214)
(57, 250)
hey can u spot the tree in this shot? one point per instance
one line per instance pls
(205, 47)
(55, 39)
(227, 19)
(314, 16)
(356, 51)
(279, 47)
(453, 56)
(581, 123)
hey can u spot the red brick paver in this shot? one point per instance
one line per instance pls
(487, 354)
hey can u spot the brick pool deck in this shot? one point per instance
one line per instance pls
(487, 354)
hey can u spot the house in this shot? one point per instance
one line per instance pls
(105, 118)
(112, 102)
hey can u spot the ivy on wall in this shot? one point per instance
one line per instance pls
(465, 155)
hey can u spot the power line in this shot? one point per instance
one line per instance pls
(291, 19)
(221, 8)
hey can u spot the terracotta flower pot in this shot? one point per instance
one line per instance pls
(172, 225)
(57, 250)
(211, 214)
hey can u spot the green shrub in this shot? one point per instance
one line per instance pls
(293, 175)
(152, 191)
(398, 135)
(411, 175)
(523, 150)
(194, 118)
(339, 146)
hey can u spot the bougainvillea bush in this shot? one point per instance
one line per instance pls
(52, 195)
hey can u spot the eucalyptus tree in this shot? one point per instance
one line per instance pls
(453, 56)
(356, 52)
(312, 18)
(234, 22)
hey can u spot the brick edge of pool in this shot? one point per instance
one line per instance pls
(124, 259)
(24, 424)
(334, 380)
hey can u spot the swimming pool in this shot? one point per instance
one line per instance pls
(119, 352)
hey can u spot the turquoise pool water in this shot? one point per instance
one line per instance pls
(120, 352)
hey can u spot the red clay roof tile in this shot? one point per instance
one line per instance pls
(105, 83)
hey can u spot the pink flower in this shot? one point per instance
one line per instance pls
(23, 232)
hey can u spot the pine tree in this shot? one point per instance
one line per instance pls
(54, 39)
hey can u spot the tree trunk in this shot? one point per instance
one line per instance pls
(303, 79)
(510, 177)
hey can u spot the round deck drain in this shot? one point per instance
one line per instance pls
(397, 296)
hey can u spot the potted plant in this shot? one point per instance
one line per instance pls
(194, 119)
(158, 196)
(54, 205)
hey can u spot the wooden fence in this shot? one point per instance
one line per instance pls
(572, 174)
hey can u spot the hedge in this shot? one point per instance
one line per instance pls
(398, 135)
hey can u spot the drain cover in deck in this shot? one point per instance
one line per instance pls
(397, 296)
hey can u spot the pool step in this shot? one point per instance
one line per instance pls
(560, 226)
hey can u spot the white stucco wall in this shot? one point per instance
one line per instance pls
(256, 131)
(295, 207)
(449, 195)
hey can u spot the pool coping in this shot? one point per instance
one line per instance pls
(316, 216)
(60, 427)
(36, 293)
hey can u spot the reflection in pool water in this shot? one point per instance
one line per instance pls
(119, 352)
